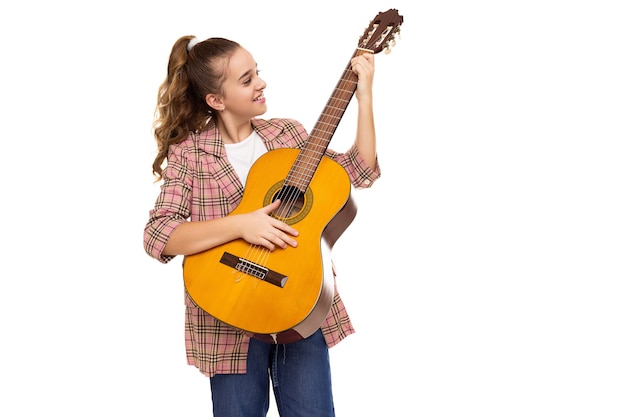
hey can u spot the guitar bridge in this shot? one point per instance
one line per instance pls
(258, 271)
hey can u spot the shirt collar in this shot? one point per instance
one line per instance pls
(210, 141)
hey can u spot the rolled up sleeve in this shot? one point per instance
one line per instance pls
(361, 175)
(172, 205)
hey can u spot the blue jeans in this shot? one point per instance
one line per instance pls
(300, 376)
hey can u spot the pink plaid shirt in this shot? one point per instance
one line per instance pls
(199, 183)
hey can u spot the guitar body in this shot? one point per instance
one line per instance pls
(292, 304)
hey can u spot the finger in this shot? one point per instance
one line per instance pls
(282, 239)
(274, 241)
(287, 240)
(285, 228)
(268, 244)
(271, 207)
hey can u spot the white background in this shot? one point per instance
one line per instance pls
(484, 273)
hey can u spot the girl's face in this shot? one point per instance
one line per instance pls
(242, 88)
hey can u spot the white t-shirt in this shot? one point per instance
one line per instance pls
(243, 154)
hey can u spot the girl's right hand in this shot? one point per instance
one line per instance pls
(260, 228)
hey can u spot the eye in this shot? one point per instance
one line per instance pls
(249, 80)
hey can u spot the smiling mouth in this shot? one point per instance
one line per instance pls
(259, 98)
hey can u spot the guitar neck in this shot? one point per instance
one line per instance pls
(311, 154)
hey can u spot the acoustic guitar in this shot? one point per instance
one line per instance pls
(284, 295)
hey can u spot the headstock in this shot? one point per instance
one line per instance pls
(380, 34)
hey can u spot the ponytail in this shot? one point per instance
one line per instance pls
(193, 71)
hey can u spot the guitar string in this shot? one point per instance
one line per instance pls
(331, 117)
(310, 163)
(259, 254)
(334, 112)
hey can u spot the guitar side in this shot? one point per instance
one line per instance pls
(264, 292)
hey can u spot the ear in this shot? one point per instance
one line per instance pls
(214, 101)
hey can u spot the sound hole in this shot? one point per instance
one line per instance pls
(294, 204)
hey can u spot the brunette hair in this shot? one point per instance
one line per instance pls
(193, 71)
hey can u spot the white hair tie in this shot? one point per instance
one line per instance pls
(192, 42)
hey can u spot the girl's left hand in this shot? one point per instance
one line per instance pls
(363, 67)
